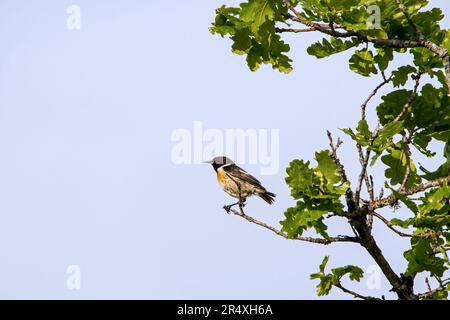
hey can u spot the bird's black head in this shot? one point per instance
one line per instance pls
(218, 162)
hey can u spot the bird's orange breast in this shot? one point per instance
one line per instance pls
(221, 177)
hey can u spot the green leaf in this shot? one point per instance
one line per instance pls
(409, 203)
(299, 218)
(328, 168)
(384, 137)
(342, 5)
(256, 13)
(324, 264)
(318, 190)
(446, 40)
(392, 105)
(384, 57)
(442, 171)
(251, 27)
(355, 273)
(301, 179)
(396, 162)
(420, 258)
(328, 48)
(426, 60)
(242, 41)
(362, 62)
(363, 133)
(400, 76)
(435, 199)
(320, 182)
(401, 223)
(430, 108)
(363, 130)
(428, 23)
(420, 141)
(327, 281)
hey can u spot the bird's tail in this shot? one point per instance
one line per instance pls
(267, 196)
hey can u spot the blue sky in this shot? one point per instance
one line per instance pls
(86, 176)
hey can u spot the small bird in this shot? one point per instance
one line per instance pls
(238, 183)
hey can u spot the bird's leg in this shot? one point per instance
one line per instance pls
(228, 207)
(241, 200)
(242, 203)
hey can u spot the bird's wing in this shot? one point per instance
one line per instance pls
(235, 172)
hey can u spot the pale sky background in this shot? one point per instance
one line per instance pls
(86, 176)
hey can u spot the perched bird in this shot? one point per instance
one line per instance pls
(238, 183)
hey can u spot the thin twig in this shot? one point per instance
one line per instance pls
(428, 284)
(373, 94)
(294, 30)
(365, 159)
(362, 175)
(407, 152)
(390, 226)
(326, 241)
(372, 198)
(355, 294)
(349, 193)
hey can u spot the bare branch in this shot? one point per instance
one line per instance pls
(365, 159)
(407, 152)
(355, 294)
(241, 214)
(373, 94)
(362, 159)
(363, 175)
(349, 193)
(428, 284)
(294, 30)
(371, 188)
(401, 234)
(372, 198)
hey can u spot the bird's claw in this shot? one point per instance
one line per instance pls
(240, 204)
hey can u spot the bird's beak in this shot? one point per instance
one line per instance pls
(208, 162)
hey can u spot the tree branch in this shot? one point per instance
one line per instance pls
(365, 159)
(362, 36)
(441, 249)
(294, 30)
(407, 152)
(401, 234)
(373, 94)
(355, 294)
(349, 193)
(442, 287)
(411, 98)
(408, 17)
(324, 241)
(390, 200)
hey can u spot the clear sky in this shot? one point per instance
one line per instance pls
(86, 173)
